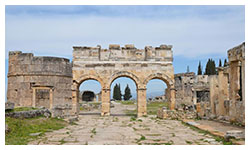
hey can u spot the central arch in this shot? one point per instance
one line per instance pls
(124, 74)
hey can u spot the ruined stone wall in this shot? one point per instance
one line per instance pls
(30, 78)
(191, 88)
(236, 57)
(105, 65)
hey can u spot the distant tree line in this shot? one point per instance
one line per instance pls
(210, 67)
(117, 95)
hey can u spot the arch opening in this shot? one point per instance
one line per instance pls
(123, 100)
(89, 96)
(157, 94)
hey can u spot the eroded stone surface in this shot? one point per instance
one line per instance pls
(122, 130)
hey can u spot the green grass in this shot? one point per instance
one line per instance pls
(129, 102)
(20, 129)
(23, 109)
(152, 107)
(189, 142)
(93, 131)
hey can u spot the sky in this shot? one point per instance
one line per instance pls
(196, 32)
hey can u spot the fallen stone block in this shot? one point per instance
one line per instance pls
(237, 134)
(9, 106)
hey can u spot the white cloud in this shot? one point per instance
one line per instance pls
(190, 36)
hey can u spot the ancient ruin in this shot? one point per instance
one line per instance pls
(50, 81)
(38, 81)
(220, 96)
(106, 65)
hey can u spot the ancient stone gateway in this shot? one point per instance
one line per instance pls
(106, 65)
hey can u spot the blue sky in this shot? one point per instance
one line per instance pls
(196, 32)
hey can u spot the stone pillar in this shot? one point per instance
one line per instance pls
(223, 91)
(214, 91)
(194, 97)
(243, 79)
(172, 99)
(234, 77)
(141, 102)
(51, 98)
(75, 99)
(243, 87)
(34, 98)
(105, 102)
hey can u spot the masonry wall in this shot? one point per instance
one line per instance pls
(236, 58)
(191, 88)
(140, 65)
(27, 72)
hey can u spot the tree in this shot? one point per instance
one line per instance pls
(220, 65)
(127, 94)
(210, 67)
(199, 69)
(119, 92)
(225, 62)
(115, 92)
(187, 69)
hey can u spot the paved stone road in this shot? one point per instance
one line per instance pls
(125, 130)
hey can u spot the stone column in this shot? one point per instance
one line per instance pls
(234, 77)
(51, 98)
(141, 102)
(243, 79)
(194, 97)
(75, 99)
(34, 97)
(213, 92)
(105, 102)
(223, 91)
(172, 99)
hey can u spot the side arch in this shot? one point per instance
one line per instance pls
(124, 74)
(170, 89)
(89, 77)
(164, 77)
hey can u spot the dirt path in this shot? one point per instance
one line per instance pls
(125, 130)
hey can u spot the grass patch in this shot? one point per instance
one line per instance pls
(93, 131)
(152, 107)
(189, 142)
(153, 134)
(142, 138)
(62, 141)
(22, 109)
(129, 102)
(133, 118)
(20, 129)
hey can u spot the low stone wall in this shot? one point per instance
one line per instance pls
(164, 113)
(62, 111)
(29, 114)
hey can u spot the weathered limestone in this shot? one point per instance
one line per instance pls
(9, 106)
(191, 89)
(226, 91)
(236, 58)
(105, 65)
(38, 81)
